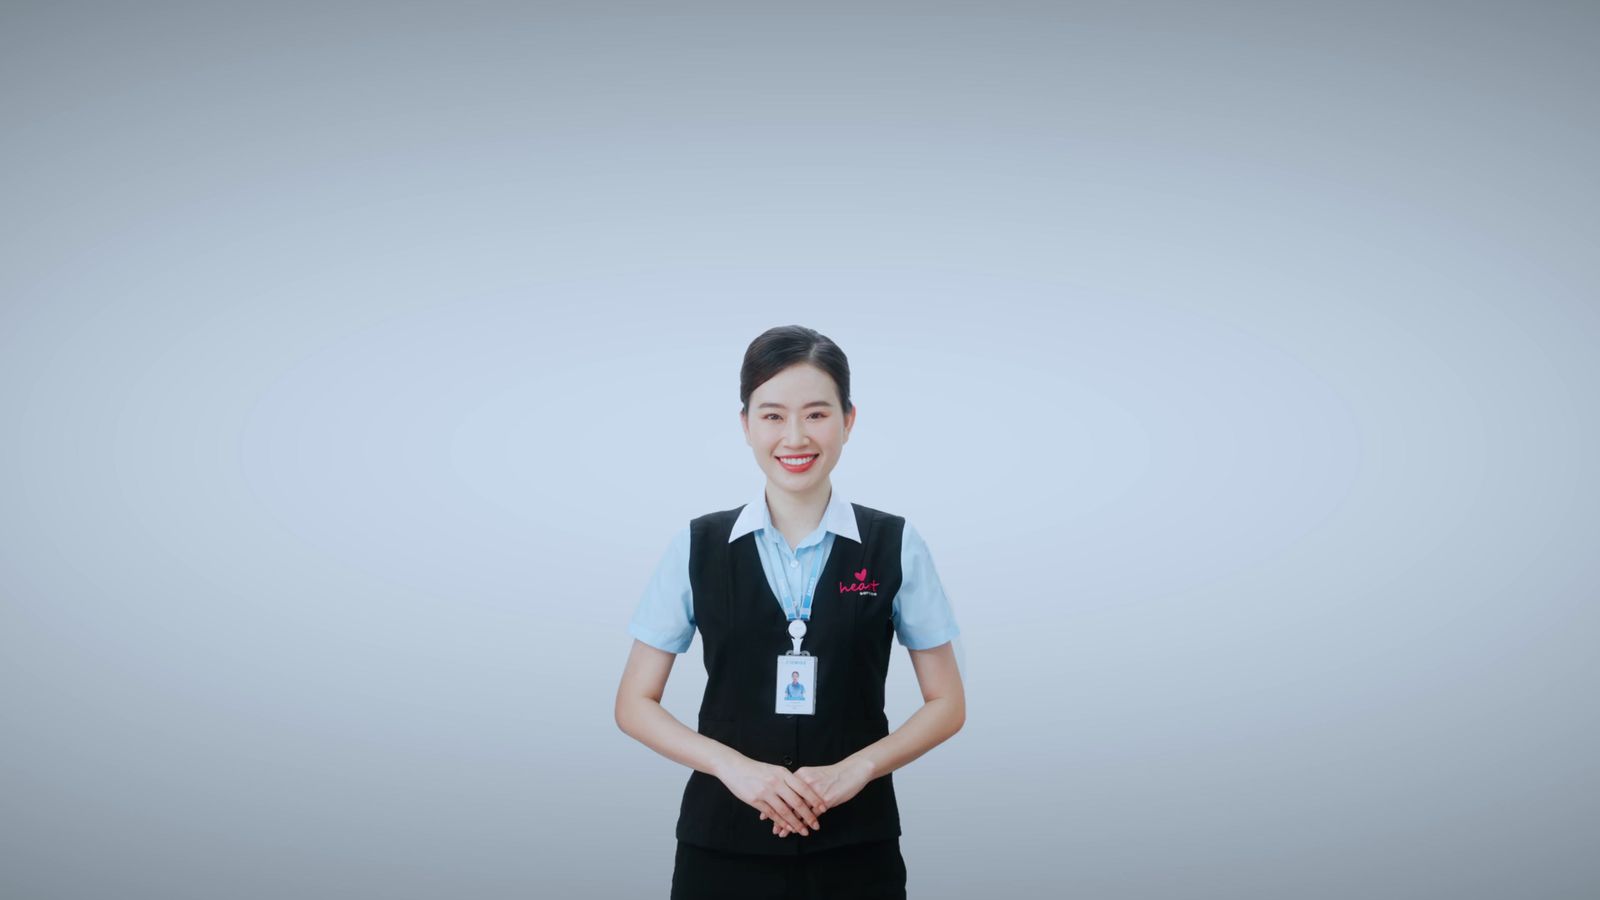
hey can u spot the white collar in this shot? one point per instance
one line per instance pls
(839, 517)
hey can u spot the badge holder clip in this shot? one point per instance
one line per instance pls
(797, 633)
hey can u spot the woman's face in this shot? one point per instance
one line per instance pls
(796, 413)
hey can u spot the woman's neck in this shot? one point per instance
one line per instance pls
(797, 515)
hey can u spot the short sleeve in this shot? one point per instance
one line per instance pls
(922, 616)
(665, 616)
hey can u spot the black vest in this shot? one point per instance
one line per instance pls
(743, 629)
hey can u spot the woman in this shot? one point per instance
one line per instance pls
(791, 794)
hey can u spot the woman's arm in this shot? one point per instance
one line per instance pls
(640, 715)
(943, 712)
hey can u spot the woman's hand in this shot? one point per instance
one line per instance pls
(781, 795)
(835, 784)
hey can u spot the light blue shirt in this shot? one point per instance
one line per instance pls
(922, 616)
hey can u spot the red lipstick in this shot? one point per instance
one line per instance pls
(800, 468)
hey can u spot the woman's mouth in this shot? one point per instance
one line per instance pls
(798, 463)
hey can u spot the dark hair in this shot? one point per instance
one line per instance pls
(779, 348)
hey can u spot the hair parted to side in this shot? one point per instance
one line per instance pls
(779, 348)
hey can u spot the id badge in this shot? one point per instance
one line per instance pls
(797, 685)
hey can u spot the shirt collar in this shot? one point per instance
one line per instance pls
(839, 517)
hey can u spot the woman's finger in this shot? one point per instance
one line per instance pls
(776, 810)
(801, 810)
(782, 807)
(812, 798)
(766, 810)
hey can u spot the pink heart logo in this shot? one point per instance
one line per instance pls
(861, 575)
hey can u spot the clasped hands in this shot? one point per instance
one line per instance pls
(794, 800)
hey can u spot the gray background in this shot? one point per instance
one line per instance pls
(358, 362)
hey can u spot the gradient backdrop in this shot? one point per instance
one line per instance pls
(1237, 362)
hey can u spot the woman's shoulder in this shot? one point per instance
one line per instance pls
(872, 512)
(717, 516)
(715, 524)
(911, 540)
(871, 520)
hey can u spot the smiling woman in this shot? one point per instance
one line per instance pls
(791, 434)
(790, 793)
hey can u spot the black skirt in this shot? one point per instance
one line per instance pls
(869, 871)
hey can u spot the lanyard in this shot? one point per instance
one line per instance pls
(796, 614)
(809, 577)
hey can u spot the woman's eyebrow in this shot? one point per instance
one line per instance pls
(807, 406)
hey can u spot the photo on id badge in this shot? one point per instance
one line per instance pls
(797, 685)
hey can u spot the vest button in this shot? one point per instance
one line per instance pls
(788, 760)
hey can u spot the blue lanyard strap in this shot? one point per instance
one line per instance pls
(809, 576)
